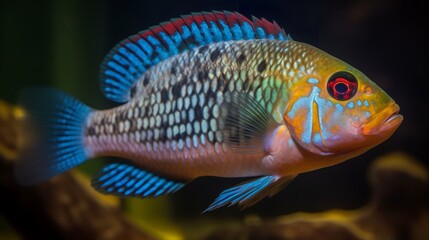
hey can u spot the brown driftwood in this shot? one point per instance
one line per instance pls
(58, 209)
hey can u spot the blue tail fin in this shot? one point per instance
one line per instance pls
(52, 135)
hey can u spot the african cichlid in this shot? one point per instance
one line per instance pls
(209, 94)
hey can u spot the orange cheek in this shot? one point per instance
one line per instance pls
(335, 129)
(297, 122)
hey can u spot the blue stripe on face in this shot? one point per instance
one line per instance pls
(366, 103)
(317, 139)
(313, 80)
(323, 106)
(367, 114)
(359, 103)
(306, 102)
(351, 105)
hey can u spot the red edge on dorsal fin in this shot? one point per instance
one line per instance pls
(209, 17)
(145, 33)
(257, 22)
(178, 23)
(220, 16)
(242, 19)
(188, 20)
(231, 18)
(169, 28)
(279, 29)
(155, 33)
(268, 26)
(198, 17)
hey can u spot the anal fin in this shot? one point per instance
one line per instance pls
(250, 192)
(126, 180)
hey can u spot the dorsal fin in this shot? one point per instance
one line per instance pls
(129, 59)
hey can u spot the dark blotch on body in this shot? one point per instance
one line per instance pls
(164, 95)
(262, 65)
(173, 70)
(241, 59)
(214, 55)
(91, 131)
(145, 81)
(133, 91)
(198, 113)
(246, 84)
(176, 89)
(202, 75)
(203, 49)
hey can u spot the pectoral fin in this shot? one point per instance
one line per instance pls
(245, 122)
(251, 192)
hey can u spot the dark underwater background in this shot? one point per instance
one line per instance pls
(61, 44)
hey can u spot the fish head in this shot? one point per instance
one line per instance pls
(334, 109)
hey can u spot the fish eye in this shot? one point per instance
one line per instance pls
(342, 86)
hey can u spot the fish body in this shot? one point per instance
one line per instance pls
(212, 94)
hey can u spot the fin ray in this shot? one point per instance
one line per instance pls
(245, 122)
(123, 179)
(55, 122)
(128, 60)
(250, 192)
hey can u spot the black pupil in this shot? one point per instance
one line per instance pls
(341, 87)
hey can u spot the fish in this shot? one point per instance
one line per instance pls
(208, 94)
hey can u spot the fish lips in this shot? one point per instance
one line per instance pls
(384, 123)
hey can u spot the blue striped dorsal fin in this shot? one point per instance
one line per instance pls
(129, 59)
(126, 180)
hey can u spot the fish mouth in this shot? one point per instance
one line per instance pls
(387, 121)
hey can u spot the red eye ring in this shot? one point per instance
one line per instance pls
(342, 86)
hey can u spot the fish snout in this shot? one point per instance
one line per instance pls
(385, 122)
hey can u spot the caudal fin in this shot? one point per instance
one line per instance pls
(53, 135)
